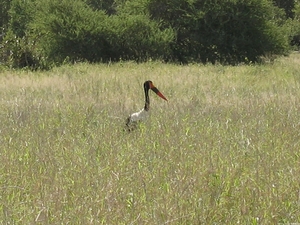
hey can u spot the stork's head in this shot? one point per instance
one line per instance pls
(149, 85)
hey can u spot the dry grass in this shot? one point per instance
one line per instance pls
(223, 150)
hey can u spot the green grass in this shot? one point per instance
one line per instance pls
(225, 148)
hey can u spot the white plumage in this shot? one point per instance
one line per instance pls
(137, 116)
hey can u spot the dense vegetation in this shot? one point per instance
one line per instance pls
(43, 33)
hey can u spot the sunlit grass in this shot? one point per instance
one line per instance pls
(223, 150)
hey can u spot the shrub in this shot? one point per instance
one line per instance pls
(136, 37)
(295, 37)
(18, 44)
(71, 31)
(230, 31)
(77, 32)
(46, 32)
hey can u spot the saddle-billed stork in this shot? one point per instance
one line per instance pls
(142, 114)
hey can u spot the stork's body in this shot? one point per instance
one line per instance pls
(142, 114)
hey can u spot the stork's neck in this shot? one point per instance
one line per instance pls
(147, 100)
(147, 106)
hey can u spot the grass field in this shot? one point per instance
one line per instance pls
(225, 148)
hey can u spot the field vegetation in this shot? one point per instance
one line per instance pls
(223, 150)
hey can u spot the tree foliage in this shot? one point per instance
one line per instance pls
(72, 31)
(4, 16)
(46, 32)
(287, 5)
(295, 33)
(225, 31)
(77, 32)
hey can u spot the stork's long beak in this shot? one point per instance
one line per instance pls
(153, 88)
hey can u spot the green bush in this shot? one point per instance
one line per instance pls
(21, 14)
(4, 15)
(230, 31)
(71, 31)
(295, 37)
(77, 32)
(106, 5)
(46, 32)
(136, 37)
(18, 52)
(242, 31)
(18, 44)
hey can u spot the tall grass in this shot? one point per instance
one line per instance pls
(223, 150)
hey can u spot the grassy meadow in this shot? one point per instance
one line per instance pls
(225, 148)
